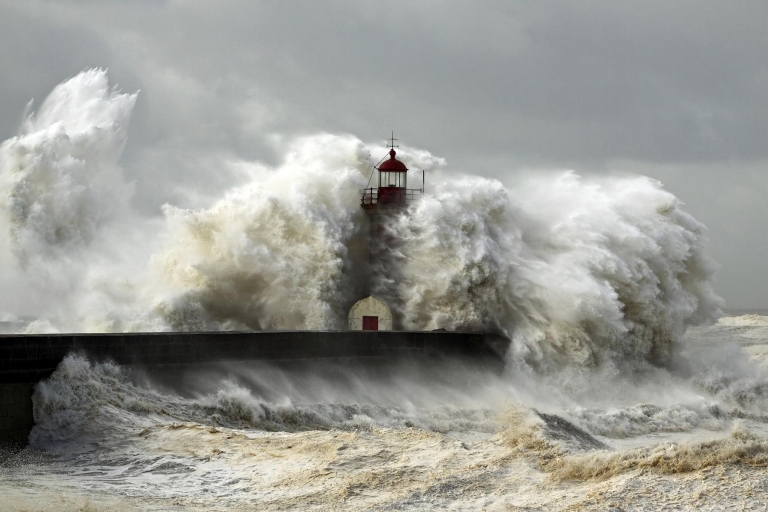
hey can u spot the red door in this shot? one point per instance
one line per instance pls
(370, 323)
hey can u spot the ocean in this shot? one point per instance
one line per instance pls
(254, 436)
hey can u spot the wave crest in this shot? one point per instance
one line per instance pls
(575, 271)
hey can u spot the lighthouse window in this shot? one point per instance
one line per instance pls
(392, 179)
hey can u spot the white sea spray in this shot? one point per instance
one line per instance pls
(584, 271)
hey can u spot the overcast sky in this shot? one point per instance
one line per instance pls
(676, 90)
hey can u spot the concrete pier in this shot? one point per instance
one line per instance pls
(15, 412)
(26, 359)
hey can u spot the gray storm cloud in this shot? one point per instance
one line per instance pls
(672, 91)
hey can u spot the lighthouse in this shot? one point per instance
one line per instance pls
(382, 204)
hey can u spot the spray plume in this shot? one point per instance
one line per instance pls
(574, 271)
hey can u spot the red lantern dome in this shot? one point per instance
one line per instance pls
(393, 164)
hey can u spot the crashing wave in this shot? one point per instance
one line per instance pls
(575, 271)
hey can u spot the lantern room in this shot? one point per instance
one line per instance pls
(393, 172)
(393, 191)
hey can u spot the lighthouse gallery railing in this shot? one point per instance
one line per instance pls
(390, 196)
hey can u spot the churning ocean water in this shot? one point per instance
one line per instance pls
(693, 436)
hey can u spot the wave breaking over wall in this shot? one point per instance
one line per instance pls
(576, 271)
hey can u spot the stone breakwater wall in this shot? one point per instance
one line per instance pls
(25, 359)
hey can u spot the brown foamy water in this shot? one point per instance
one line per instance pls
(690, 438)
